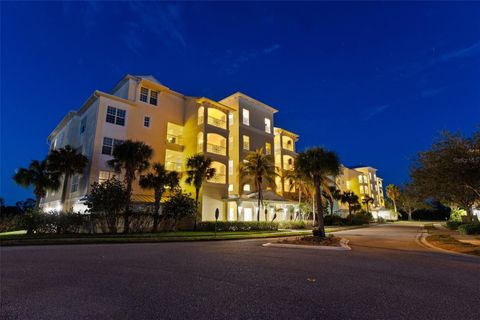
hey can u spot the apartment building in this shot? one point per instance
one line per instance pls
(176, 126)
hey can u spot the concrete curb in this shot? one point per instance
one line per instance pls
(422, 240)
(343, 246)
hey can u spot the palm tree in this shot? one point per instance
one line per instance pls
(261, 169)
(335, 194)
(131, 157)
(159, 180)
(38, 176)
(320, 165)
(351, 199)
(67, 162)
(393, 192)
(199, 170)
(366, 200)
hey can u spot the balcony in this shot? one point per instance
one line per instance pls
(216, 149)
(173, 166)
(175, 139)
(218, 178)
(220, 123)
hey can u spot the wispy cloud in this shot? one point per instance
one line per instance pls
(164, 21)
(272, 48)
(470, 51)
(376, 111)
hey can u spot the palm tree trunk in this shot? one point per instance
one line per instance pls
(156, 216)
(196, 204)
(64, 189)
(318, 195)
(394, 206)
(259, 194)
(313, 210)
(126, 222)
(38, 198)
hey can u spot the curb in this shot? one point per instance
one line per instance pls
(422, 240)
(343, 246)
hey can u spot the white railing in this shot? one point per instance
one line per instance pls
(220, 123)
(213, 148)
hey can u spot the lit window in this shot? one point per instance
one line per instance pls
(105, 175)
(246, 187)
(200, 115)
(116, 116)
(230, 167)
(83, 124)
(230, 187)
(230, 118)
(74, 186)
(268, 126)
(146, 122)
(153, 97)
(268, 148)
(246, 117)
(246, 142)
(108, 144)
(143, 94)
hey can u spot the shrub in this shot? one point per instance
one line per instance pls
(9, 224)
(179, 206)
(453, 225)
(334, 220)
(360, 218)
(237, 226)
(469, 228)
(295, 225)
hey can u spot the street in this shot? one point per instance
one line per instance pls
(386, 275)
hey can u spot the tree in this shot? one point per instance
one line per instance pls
(40, 177)
(159, 180)
(393, 192)
(178, 206)
(450, 171)
(109, 199)
(366, 200)
(351, 199)
(334, 195)
(410, 200)
(199, 170)
(319, 165)
(130, 157)
(25, 204)
(67, 162)
(261, 169)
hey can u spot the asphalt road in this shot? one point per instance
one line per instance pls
(387, 275)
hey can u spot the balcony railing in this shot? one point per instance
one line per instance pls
(218, 178)
(217, 122)
(174, 139)
(288, 146)
(173, 166)
(213, 148)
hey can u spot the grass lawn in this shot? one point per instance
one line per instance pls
(444, 239)
(20, 238)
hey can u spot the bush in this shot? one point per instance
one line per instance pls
(469, 228)
(9, 224)
(453, 225)
(334, 220)
(295, 225)
(237, 226)
(360, 218)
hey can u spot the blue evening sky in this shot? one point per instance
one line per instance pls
(375, 82)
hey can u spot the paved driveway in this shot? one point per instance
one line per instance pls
(387, 275)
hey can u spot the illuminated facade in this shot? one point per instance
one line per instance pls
(176, 126)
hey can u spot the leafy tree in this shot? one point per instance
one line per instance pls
(450, 171)
(367, 200)
(261, 169)
(199, 170)
(319, 165)
(393, 192)
(351, 199)
(178, 206)
(39, 177)
(159, 180)
(109, 199)
(26, 204)
(410, 200)
(130, 157)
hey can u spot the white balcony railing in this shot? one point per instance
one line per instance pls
(213, 148)
(173, 166)
(218, 178)
(220, 123)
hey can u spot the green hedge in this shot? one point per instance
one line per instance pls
(453, 224)
(295, 225)
(469, 228)
(237, 226)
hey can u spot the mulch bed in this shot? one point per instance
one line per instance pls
(313, 241)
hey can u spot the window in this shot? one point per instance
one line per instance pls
(108, 144)
(146, 122)
(83, 124)
(143, 94)
(246, 117)
(230, 167)
(230, 189)
(246, 187)
(153, 97)
(268, 126)
(116, 116)
(230, 119)
(200, 115)
(246, 142)
(105, 175)
(268, 148)
(74, 186)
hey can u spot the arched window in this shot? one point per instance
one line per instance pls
(216, 144)
(200, 142)
(217, 118)
(201, 112)
(220, 172)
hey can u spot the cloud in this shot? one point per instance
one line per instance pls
(471, 51)
(162, 20)
(272, 48)
(376, 111)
